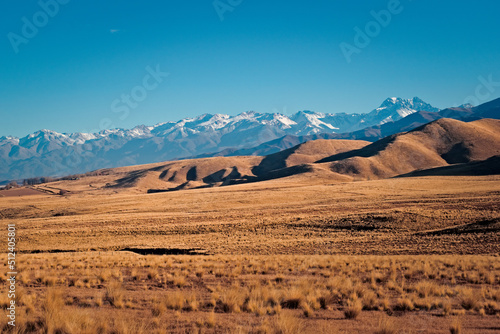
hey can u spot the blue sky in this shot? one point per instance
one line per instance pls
(266, 56)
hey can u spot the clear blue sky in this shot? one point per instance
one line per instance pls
(264, 56)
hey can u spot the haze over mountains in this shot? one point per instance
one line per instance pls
(48, 153)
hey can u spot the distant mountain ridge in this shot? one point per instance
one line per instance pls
(49, 153)
(373, 133)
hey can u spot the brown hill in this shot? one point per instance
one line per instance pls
(436, 144)
(306, 153)
(185, 174)
(208, 172)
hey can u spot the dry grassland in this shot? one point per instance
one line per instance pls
(406, 255)
(122, 292)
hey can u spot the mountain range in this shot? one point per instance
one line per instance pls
(49, 153)
(442, 147)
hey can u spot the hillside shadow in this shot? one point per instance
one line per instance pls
(219, 176)
(274, 162)
(365, 152)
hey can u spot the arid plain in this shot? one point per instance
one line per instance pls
(407, 254)
(307, 249)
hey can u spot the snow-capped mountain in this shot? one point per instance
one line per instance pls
(49, 153)
(393, 109)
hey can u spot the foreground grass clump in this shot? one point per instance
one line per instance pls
(386, 325)
(115, 294)
(456, 326)
(353, 308)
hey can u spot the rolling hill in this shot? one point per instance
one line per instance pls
(436, 144)
(455, 146)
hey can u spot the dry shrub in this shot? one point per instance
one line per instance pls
(341, 285)
(404, 304)
(232, 300)
(386, 325)
(191, 303)
(307, 309)
(98, 301)
(158, 308)
(456, 326)
(153, 274)
(427, 288)
(114, 294)
(469, 299)
(52, 319)
(82, 322)
(496, 295)
(284, 323)
(20, 294)
(446, 306)
(293, 299)
(78, 283)
(370, 300)
(178, 280)
(104, 275)
(50, 281)
(490, 278)
(174, 300)
(426, 303)
(261, 300)
(255, 306)
(86, 302)
(211, 321)
(353, 308)
(126, 326)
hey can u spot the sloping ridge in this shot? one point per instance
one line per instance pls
(441, 143)
(436, 144)
(306, 153)
(489, 109)
(217, 171)
(490, 166)
(185, 174)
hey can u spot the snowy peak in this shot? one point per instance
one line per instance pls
(398, 103)
(44, 137)
(394, 109)
(312, 122)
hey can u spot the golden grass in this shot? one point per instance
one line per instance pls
(284, 323)
(254, 294)
(456, 326)
(114, 294)
(386, 325)
(271, 218)
(284, 257)
(353, 308)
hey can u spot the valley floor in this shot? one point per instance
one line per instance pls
(416, 255)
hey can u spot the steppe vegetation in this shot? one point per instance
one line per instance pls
(123, 292)
(302, 255)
